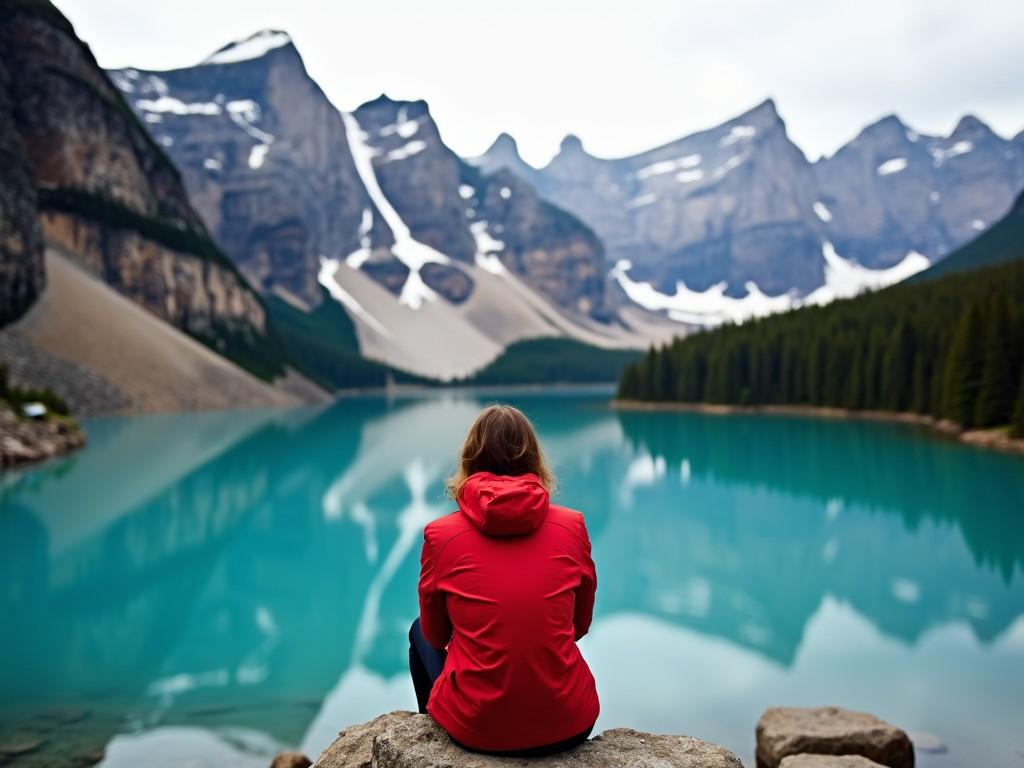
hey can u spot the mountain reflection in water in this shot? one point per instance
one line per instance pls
(232, 583)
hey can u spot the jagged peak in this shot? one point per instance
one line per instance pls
(766, 111)
(969, 125)
(505, 143)
(386, 102)
(886, 122)
(254, 46)
(571, 144)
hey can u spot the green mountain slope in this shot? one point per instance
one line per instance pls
(1001, 243)
(555, 361)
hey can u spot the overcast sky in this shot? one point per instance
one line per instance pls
(624, 75)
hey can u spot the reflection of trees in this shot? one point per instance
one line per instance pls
(882, 466)
(871, 515)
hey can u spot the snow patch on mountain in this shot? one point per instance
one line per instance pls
(328, 268)
(642, 200)
(822, 211)
(845, 278)
(738, 133)
(178, 107)
(668, 166)
(253, 47)
(486, 249)
(406, 150)
(403, 126)
(244, 113)
(688, 177)
(895, 165)
(708, 308)
(941, 154)
(257, 155)
(733, 162)
(410, 252)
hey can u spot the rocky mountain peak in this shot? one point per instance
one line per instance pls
(503, 153)
(505, 146)
(889, 128)
(571, 143)
(763, 115)
(256, 46)
(970, 127)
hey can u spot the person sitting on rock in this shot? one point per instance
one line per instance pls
(506, 589)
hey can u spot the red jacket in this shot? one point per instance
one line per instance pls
(508, 585)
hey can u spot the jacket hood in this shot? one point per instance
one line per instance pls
(504, 505)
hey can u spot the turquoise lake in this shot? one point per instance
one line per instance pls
(206, 589)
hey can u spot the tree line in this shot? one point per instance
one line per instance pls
(951, 348)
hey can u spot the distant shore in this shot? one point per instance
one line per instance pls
(997, 438)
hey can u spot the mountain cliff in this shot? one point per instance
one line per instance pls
(22, 274)
(264, 156)
(108, 196)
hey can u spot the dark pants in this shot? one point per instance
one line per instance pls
(426, 664)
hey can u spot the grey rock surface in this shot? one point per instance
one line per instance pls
(405, 740)
(22, 272)
(827, 761)
(785, 731)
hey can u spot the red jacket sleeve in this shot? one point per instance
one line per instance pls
(583, 613)
(434, 621)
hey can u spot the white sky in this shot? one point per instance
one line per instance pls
(624, 75)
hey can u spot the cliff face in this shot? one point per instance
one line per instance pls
(111, 198)
(21, 251)
(265, 158)
(285, 180)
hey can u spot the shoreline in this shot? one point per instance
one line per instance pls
(994, 439)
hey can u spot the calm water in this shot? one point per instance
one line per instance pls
(206, 589)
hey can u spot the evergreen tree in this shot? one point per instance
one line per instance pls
(898, 369)
(996, 395)
(1017, 425)
(962, 376)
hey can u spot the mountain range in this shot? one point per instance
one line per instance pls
(718, 221)
(441, 263)
(234, 202)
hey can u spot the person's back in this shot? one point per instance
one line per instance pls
(507, 584)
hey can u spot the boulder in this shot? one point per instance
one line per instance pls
(784, 731)
(405, 740)
(291, 760)
(827, 761)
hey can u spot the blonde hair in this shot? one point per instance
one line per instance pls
(502, 442)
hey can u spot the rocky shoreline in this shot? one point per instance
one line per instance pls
(26, 441)
(787, 737)
(997, 439)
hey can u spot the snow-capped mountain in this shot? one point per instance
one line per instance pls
(734, 221)
(439, 265)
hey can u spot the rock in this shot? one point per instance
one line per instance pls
(784, 731)
(405, 740)
(20, 744)
(354, 745)
(291, 760)
(827, 761)
(25, 441)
